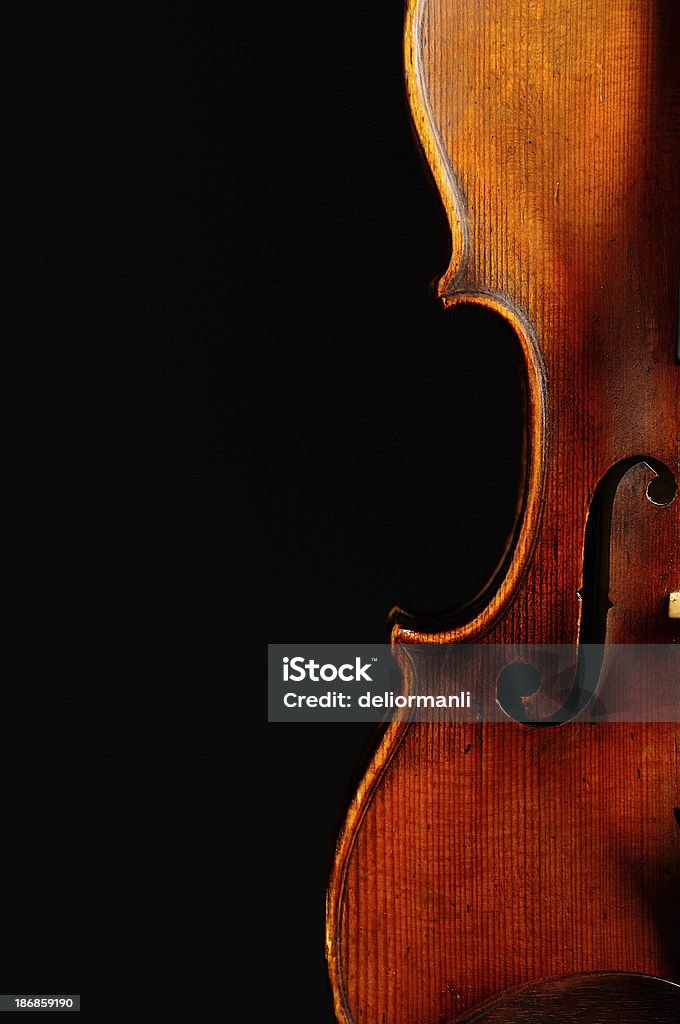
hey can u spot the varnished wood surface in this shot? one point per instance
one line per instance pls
(480, 857)
(595, 998)
(490, 855)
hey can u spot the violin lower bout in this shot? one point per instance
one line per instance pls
(480, 857)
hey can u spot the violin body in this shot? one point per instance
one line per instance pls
(481, 856)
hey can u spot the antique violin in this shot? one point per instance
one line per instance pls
(529, 868)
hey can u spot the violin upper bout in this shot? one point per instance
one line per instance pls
(554, 158)
(434, 148)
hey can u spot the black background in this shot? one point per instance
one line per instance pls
(393, 433)
(214, 219)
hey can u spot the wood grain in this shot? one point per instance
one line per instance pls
(479, 857)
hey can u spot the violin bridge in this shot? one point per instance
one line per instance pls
(674, 605)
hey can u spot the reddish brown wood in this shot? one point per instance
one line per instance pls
(479, 857)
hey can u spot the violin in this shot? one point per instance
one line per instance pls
(528, 868)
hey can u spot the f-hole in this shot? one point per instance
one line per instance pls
(594, 592)
(519, 681)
